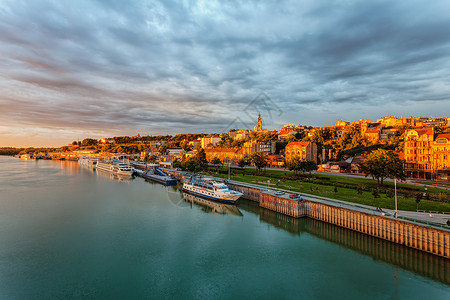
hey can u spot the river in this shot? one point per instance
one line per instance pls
(70, 232)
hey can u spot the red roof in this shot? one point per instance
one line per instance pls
(285, 131)
(443, 136)
(298, 143)
(372, 131)
(423, 131)
(222, 150)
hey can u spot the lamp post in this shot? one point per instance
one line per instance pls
(395, 196)
(229, 166)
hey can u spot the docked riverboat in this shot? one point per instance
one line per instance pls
(210, 189)
(115, 167)
(157, 175)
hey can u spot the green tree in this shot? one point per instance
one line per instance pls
(294, 164)
(382, 164)
(360, 189)
(216, 161)
(308, 166)
(163, 149)
(418, 198)
(177, 164)
(89, 142)
(259, 159)
(200, 158)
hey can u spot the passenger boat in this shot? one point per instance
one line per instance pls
(159, 176)
(115, 167)
(210, 189)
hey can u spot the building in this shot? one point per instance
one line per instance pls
(441, 156)
(289, 130)
(239, 134)
(342, 123)
(371, 131)
(268, 147)
(418, 153)
(209, 141)
(360, 123)
(258, 126)
(304, 150)
(388, 132)
(224, 154)
(275, 160)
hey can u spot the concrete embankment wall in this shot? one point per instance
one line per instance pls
(405, 233)
(412, 235)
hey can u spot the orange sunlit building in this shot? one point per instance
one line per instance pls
(303, 150)
(427, 155)
(441, 156)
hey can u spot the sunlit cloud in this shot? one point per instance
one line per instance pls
(106, 68)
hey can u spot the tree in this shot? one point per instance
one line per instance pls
(418, 198)
(294, 164)
(163, 149)
(200, 158)
(242, 163)
(216, 161)
(382, 164)
(176, 164)
(89, 142)
(308, 166)
(259, 159)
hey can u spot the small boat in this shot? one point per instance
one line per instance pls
(159, 176)
(210, 189)
(115, 167)
(25, 156)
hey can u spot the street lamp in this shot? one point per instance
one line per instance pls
(395, 196)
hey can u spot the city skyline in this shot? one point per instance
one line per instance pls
(91, 69)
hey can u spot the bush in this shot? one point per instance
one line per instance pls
(375, 193)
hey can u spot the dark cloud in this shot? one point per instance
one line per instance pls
(173, 65)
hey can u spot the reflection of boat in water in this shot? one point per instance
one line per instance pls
(210, 189)
(88, 162)
(110, 175)
(216, 207)
(115, 167)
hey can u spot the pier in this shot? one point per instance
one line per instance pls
(424, 237)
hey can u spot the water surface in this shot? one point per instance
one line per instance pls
(69, 232)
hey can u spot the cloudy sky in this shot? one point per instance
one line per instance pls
(76, 69)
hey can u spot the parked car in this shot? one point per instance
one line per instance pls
(279, 193)
(294, 196)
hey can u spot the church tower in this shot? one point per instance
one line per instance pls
(258, 126)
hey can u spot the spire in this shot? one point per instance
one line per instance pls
(258, 126)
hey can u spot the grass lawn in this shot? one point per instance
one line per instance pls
(322, 187)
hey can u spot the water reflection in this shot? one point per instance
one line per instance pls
(113, 176)
(212, 206)
(422, 263)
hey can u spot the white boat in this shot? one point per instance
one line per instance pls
(87, 162)
(210, 189)
(115, 167)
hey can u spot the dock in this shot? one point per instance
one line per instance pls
(425, 236)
